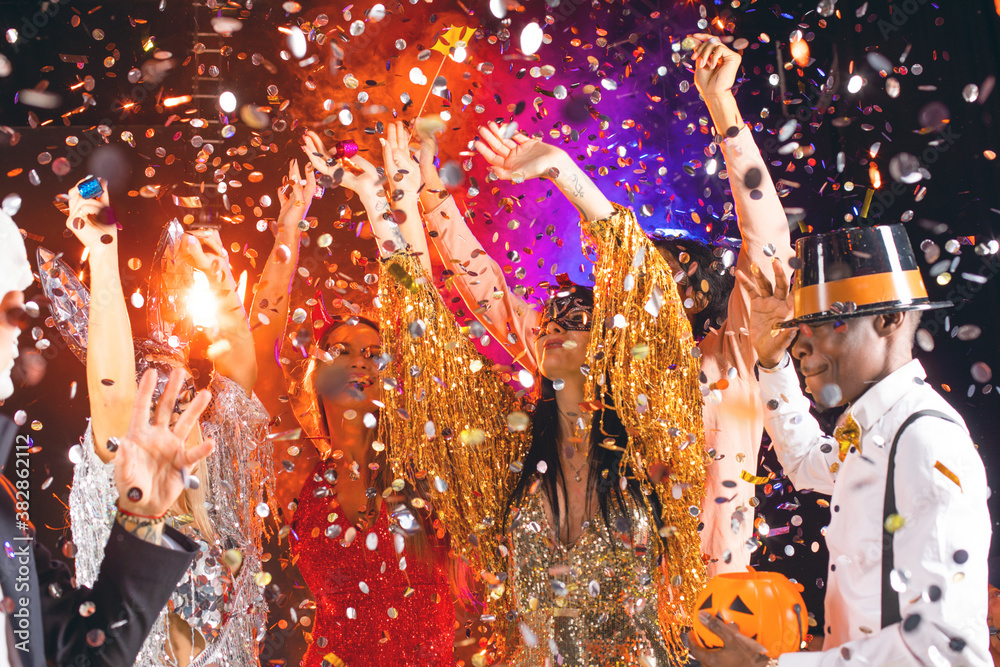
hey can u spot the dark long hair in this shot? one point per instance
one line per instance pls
(710, 270)
(603, 463)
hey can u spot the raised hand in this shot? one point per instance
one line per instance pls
(402, 173)
(716, 65)
(434, 189)
(203, 250)
(85, 219)
(320, 158)
(518, 157)
(356, 173)
(153, 459)
(769, 306)
(295, 198)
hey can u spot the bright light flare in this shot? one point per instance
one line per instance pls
(531, 39)
(227, 101)
(854, 85)
(174, 101)
(201, 304)
(241, 287)
(874, 175)
(459, 54)
(800, 52)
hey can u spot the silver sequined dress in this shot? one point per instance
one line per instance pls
(230, 615)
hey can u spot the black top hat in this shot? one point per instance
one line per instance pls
(857, 272)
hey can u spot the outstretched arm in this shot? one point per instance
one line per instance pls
(360, 176)
(403, 189)
(269, 314)
(203, 250)
(763, 224)
(137, 574)
(110, 355)
(517, 157)
(478, 278)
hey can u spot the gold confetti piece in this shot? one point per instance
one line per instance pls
(894, 522)
(233, 559)
(943, 469)
(753, 479)
(334, 660)
(293, 434)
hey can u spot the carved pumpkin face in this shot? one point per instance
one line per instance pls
(766, 606)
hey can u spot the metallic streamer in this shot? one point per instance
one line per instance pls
(231, 615)
(451, 410)
(655, 364)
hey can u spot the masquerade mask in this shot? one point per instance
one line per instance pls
(570, 309)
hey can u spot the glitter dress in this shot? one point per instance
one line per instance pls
(229, 613)
(596, 599)
(619, 597)
(374, 606)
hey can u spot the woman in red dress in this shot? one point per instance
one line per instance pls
(364, 545)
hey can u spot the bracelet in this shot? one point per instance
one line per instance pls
(141, 522)
(143, 519)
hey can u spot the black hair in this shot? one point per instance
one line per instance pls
(603, 463)
(709, 270)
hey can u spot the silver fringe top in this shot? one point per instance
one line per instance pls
(230, 615)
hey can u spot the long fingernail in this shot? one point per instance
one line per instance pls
(704, 616)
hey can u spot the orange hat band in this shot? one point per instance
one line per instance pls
(895, 286)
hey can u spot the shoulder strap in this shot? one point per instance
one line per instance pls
(890, 598)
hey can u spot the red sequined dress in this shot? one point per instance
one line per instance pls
(373, 606)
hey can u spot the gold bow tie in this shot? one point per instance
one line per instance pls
(848, 435)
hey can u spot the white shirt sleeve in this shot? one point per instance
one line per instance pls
(942, 548)
(806, 453)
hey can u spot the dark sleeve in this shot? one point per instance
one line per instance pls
(134, 584)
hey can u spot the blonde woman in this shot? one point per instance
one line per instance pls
(217, 610)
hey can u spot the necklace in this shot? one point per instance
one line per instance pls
(575, 469)
(581, 432)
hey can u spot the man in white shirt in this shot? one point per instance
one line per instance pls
(909, 533)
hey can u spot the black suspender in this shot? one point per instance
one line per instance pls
(890, 598)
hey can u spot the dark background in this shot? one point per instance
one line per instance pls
(955, 43)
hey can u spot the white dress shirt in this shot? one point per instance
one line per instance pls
(941, 549)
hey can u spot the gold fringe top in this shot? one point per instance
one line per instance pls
(459, 429)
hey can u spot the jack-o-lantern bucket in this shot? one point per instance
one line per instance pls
(766, 606)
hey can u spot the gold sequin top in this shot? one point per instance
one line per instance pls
(595, 601)
(460, 427)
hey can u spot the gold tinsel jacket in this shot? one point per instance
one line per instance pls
(458, 426)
